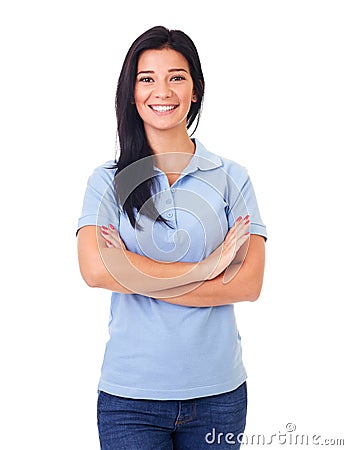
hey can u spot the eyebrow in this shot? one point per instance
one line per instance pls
(169, 71)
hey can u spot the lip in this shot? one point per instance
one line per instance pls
(161, 113)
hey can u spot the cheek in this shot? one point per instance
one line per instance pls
(139, 96)
(187, 95)
(139, 99)
(141, 111)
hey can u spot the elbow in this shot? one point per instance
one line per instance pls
(252, 298)
(91, 281)
(254, 292)
(91, 278)
(253, 281)
(252, 287)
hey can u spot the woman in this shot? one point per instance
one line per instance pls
(175, 233)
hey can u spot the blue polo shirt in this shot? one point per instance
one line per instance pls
(159, 350)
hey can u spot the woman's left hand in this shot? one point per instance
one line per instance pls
(112, 237)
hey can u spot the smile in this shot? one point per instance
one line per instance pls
(163, 108)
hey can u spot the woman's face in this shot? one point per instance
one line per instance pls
(163, 90)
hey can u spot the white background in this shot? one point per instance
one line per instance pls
(276, 102)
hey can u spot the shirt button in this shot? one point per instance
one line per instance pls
(170, 214)
(173, 190)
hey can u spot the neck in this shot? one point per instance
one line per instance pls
(173, 151)
(168, 141)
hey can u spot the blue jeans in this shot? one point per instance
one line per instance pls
(214, 422)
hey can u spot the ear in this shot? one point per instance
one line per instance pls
(194, 94)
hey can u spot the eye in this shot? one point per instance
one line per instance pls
(178, 78)
(145, 80)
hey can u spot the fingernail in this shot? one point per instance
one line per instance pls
(104, 231)
(239, 218)
(111, 226)
(103, 228)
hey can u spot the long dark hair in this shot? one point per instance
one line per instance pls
(133, 145)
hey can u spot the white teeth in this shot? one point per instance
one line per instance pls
(162, 108)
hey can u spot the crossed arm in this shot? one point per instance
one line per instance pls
(105, 263)
(241, 281)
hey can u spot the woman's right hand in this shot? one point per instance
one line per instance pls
(222, 257)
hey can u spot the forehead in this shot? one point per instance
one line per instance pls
(162, 59)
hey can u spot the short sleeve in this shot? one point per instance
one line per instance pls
(99, 203)
(242, 201)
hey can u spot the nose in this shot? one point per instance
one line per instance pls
(162, 90)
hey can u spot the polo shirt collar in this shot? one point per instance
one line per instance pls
(202, 159)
